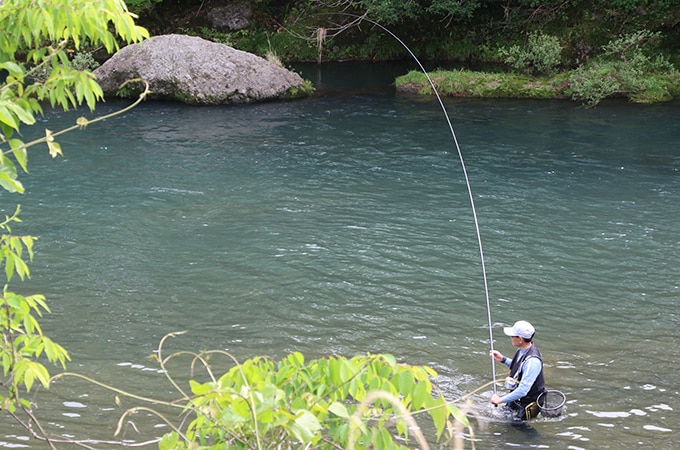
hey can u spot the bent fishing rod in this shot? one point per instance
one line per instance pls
(467, 182)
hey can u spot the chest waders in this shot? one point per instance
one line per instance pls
(526, 407)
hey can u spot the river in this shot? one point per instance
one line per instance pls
(341, 224)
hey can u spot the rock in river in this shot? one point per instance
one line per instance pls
(200, 72)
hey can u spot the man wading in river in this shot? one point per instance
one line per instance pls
(525, 381)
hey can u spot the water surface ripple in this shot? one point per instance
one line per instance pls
(341, 224)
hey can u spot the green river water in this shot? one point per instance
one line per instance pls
(341, 224)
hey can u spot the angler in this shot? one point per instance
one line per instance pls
(525, 382)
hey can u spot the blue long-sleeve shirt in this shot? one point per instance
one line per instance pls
(531, 367)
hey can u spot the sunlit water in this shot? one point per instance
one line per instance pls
(341, 224)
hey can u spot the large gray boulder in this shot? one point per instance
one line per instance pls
(200, 72)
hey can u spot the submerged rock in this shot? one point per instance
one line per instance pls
(200, 72)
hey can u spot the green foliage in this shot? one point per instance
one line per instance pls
(22, 339)
(626, 5)
(367, 401)
(221, 37)
(393, 12)
(291, 45)
(459, 10)
(36, 37)
(390, 13)
(625, 69)
(141, 6)
(466, 83)
(305, 90)
(540, 56)
(452, 30)
(84, 61)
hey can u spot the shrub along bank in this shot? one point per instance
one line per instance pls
(627, 68)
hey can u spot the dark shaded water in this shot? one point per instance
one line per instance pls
(341, 224)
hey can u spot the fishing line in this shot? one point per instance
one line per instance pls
(467, 184)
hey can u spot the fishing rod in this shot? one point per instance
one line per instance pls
(467, 183)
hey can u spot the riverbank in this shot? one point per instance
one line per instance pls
(627, 67)
(576, 85)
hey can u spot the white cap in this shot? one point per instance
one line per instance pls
(521, 328)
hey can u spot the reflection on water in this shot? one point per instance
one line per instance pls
(341, 224)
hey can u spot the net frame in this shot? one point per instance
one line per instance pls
(551, 403)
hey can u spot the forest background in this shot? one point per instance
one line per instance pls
(569, 49)
(468, 32)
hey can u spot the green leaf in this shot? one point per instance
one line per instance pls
(296, 359)
(28, 243)
(54, 352)
(420, 395)
(241, 407)
(7, 363)
(22, 109)
(32, 326)
(459, 415)
(440, 414)
(357, 389)
(21, 268)
(346, 371)
(199, 388)
(16, 302)
(339, 410)
(7, 117)
(406, 383)
(9, 262)
(306, 426)
(334, 371)
(169, 441)
(13, 68)
(36, 371)
(431, 372)
(390, 359)
(20, 153)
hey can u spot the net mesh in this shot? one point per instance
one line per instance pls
(551, 403)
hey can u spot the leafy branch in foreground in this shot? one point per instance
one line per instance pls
(22, 338)
(35, 68)
(367, 401)
(36, 37)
